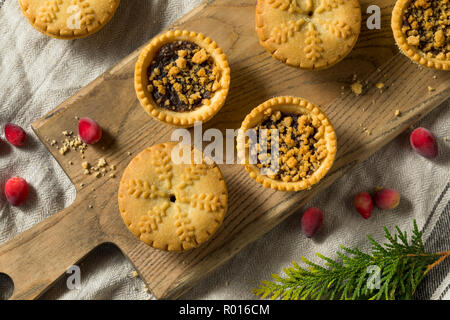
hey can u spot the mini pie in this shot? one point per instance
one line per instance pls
(309, 34)
(422, 31)
(171, 205)
(182, 77)
(307, 144)
(68, 19)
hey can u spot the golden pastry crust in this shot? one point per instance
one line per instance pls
(325, 142)
(207, 109)
(402, 19)
(68, 19)
(309, 34)
(169, 205)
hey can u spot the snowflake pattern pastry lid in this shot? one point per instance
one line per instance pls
(309, 34)
(68, 19)
(170, 205)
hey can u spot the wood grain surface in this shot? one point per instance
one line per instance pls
(39, 256)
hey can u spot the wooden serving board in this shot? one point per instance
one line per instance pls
(39, 256)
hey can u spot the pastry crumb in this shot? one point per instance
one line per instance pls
(357, 88)
(63, 150)
(397, 113)
(101, 162)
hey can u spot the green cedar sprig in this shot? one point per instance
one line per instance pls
(392, 271)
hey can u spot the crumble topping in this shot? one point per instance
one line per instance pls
(182, 76)
(302, 147)
(426, 26)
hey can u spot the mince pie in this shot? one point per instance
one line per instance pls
(170, 204)
(182, 77)
(422, 31)
(287, 144)
(309, 34)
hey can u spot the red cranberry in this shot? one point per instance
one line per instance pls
(364, 204)
(312, 221)
(89, 131)
(16, 191)
(15, 135)
(387, 199)
(424, 143)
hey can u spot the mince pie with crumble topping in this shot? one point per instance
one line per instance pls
(182, 77)
(287, 144)
(422, 31)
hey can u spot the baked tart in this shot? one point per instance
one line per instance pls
(182, 77)
(169, 204)
(309, 34)
(422, 31)
(68, 19)
(287, 144)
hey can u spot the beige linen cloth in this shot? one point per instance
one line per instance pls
(38, 73)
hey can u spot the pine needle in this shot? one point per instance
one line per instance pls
(392, 271)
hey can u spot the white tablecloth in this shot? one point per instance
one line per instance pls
(38, 73)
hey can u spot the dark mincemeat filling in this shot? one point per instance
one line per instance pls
(178, 99)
